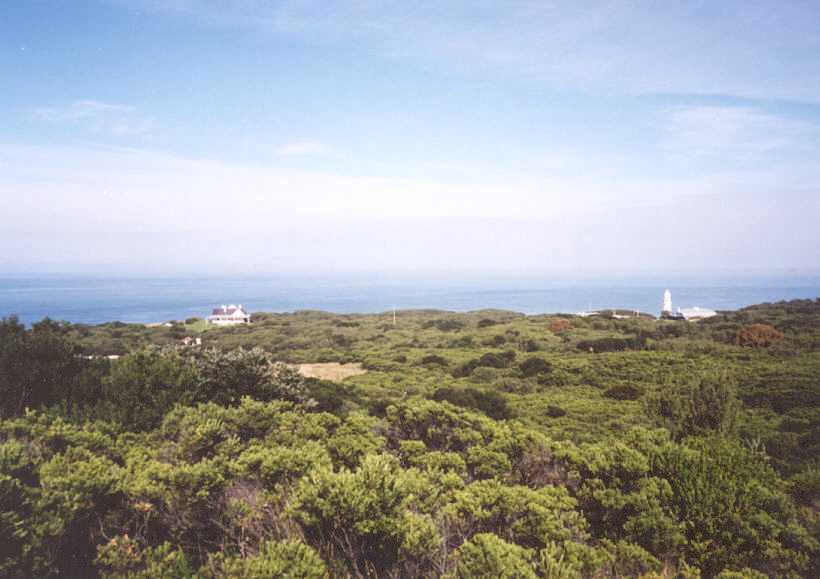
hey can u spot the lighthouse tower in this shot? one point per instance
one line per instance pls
(667, 303)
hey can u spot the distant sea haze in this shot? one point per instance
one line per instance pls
(94, 299)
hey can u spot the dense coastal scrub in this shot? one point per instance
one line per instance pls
(488, 444)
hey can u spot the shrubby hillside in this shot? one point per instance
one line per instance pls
(488, 444)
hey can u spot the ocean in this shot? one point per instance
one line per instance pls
(98, 299)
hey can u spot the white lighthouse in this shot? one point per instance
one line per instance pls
(667, 302)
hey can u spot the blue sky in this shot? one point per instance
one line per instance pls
(260, 136)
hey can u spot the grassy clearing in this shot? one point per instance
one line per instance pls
(331, 371)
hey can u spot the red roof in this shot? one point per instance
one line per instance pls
(227, 311)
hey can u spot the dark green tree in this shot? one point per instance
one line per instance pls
(144, 385)
(38, 367)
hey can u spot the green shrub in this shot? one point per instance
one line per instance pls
(612, 344)
(805, 486)
(461, 342)
(534, 366)
(434, 360)
(490, 403)
(624, 392)
(363, 517)
(445, 325)
(123, 557)
(708, 404)
(488, 360)
(529, 345)
(495, 341)
(518, 514)
(329, 396)
(484, 375)
(285, 560)
(513, 385)
(493, 360)
(555, 411)
(486, 556)
(733, 511)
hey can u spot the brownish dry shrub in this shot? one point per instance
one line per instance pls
(758, 336)
(559, 325)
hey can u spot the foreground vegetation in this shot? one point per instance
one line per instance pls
(488, 444)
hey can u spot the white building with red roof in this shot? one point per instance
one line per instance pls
(229, 316)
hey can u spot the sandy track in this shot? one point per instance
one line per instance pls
(332, 371)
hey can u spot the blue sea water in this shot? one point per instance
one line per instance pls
(98, 299)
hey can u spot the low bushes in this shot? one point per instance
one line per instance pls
(434, 360)
(612, 344)
(488, 360)
(624, 392)
(555, 411)
(445, 325)
(534, 366)
(490, 403)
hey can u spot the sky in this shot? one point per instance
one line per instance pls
(532, 137)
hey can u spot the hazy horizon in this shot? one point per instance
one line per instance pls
(100, 299)
(239, 137)
(480, 279)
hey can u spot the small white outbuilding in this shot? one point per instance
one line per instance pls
(696, 313)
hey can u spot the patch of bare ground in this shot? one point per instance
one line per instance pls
(332, 371)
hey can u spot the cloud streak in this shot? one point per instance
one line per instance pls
(611, 47)
(303, 149)
(744, 135)
(97, 117)
(93, 207)
(78, 110)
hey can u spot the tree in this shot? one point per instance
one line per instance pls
(13, 345)
(144, 385)
(225, 377)
(37, 367)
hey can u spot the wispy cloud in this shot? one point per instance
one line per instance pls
(737, 134)
(303, 148)
(180, 214)
(609, 46)
(79, 110)
(98, 117)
